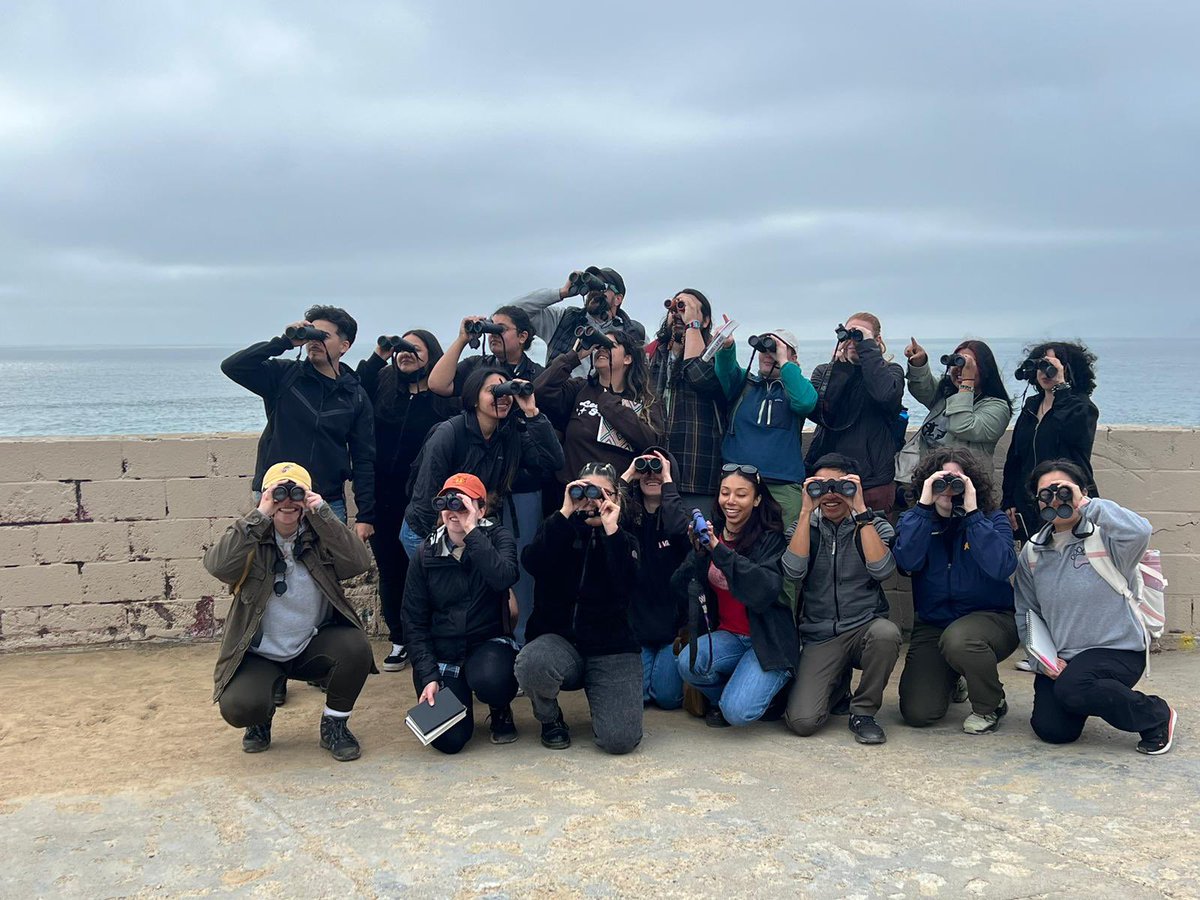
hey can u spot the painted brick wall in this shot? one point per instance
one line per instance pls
(101, 538)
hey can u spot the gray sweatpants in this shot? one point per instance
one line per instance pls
(613, 686)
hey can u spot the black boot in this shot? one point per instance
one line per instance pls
(504, 731)
(337, 739)
(556, 735)
(279, 694)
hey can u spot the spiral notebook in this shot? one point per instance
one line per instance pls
(1039, 643)
(429, 723)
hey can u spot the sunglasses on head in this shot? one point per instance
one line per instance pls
(750, 472)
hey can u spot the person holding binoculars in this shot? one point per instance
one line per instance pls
(692, 398)
(1058, 421)
(611, 416)
(499, 433)
(457, 616)
(317, 411)
(743, 647)
(585, 568)
(957, 546)
(969, 406)
(1101, 640)
(840, 552)
(657, 614)
(395, 379)
(290, 618)
(603, 291)
(860, 392)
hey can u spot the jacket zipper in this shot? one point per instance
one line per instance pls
(837, 608)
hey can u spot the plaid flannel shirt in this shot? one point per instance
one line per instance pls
(694, 410)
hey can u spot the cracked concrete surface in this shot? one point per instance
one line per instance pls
(118, 778)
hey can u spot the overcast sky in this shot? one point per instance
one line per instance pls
(199, 173)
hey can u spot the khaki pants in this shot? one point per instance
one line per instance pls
(790, 498)
(873, 647)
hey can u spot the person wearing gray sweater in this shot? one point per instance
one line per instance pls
(1100, 639)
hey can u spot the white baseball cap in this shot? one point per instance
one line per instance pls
(786, 336)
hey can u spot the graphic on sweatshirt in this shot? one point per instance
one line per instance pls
(606, 433)
(1078, 556)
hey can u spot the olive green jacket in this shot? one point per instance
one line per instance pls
(244, 558)
(975, 423)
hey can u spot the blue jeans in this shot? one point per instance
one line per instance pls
(409, 540)
(661, 684)
(730, 675)
(528, 507)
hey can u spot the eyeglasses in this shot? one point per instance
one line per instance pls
(280, 570)
(748, 471)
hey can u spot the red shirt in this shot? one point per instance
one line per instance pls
(732, 612)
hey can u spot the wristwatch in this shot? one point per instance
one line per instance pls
(695, 323)
(1061, 386)
(866, 517)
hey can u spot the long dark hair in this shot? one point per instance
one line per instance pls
(975, 468)
(1068, 468)
(664, 328)
(637, 378)
(990, 383)
(504, 432)
(1079, 364)
(394, 384)
(767, 516)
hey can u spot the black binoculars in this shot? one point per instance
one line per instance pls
(396, 344)
(843, 486)
(763, 343)
(452, 502)
(1028, 370)
(590, 337)
(949, 484)
(954, 359)
(844, 334)
(647, 464)
(586, 282)
(479, 326)
(288, 490)
(304, 333)
(585, 491)
(512, 389)
(1047, 496)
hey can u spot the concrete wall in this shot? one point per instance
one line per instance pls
(101, 538)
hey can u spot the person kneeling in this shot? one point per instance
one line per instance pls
(733, 581)
(840, 550)
(290, 618)
(585, 569)
(958, 547)
(456, 612)
(1102, 643)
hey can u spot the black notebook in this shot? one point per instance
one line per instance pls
(429, 723)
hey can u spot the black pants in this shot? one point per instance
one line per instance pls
(340, 652)
(488, 674)
(392, 563)
(1095, 683)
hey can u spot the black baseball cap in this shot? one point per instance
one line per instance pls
(611, 277)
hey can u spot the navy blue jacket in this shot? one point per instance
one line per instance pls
(958, 566)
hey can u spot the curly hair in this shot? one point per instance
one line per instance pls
(975, 468)
(1079, 363)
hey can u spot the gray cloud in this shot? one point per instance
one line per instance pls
(174, 173)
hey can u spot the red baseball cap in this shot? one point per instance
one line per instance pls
(465, 483)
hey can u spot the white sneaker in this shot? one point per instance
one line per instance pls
(1024, 665)
(977, 724)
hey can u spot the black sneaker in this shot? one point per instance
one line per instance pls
(866, 730)
(397, 661)
(714, 718)
(257, 738)
(279, 693)
(1159, 741)
(556, 735)
(337, 739)
(501, 722)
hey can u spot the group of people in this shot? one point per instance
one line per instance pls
(642, 520)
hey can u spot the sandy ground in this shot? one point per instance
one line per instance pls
(118, 778)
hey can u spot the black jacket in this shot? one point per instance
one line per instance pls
(457, 445)
(856, 413)
(452, 606)
(658, 613)
(323, 424)
(583, 582)
(402, 422)
(757, 581)
(1067, 431)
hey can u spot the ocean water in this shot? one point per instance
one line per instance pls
(157, 390)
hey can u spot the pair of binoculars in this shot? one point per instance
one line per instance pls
(590, 337)
(452, 502)
(512, 389)
(586, 282)
(1029, 369)
(953, 359)
(289, 490)
(950, 484)
(763, 343)
(481, 327)
(585, 492)
(843, 486)
(700, 527)
(1047, 495)
(647, 464)
(844, 334)
(304, 333)
(393, 343)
